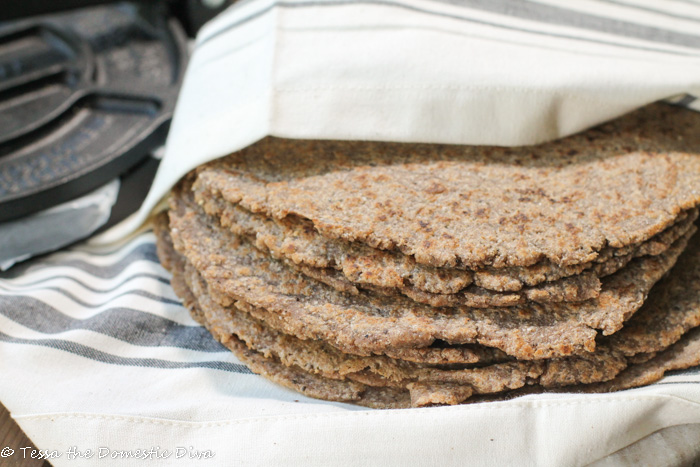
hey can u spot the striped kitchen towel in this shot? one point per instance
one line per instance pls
(502, 72)
(97, 355)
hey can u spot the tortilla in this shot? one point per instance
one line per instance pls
(470, 207)
(367, 323)
(301, 365)
(347, 266)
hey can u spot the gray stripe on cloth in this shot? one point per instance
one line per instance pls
(592, 22)
(104, 357)
(562, 16)
(125, 324)
(651, 10)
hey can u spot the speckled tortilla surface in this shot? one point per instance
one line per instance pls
(369, 323)
(349, 266)
(471, 207)
(395, 275)
(318, 370)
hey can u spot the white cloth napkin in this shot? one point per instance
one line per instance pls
(499, 72)
(96, 352)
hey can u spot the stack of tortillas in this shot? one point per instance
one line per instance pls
(394, 274)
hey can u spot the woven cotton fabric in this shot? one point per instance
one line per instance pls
(96, 351)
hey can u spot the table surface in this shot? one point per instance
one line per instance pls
(12, 437)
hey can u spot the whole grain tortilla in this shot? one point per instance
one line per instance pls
(366, 323)
(473, 207)
(659, 316)
(436, 354)
(319, 371)
(347, 266)
(684, 354)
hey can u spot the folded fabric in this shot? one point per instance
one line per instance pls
(129, 368)
(501, 73)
